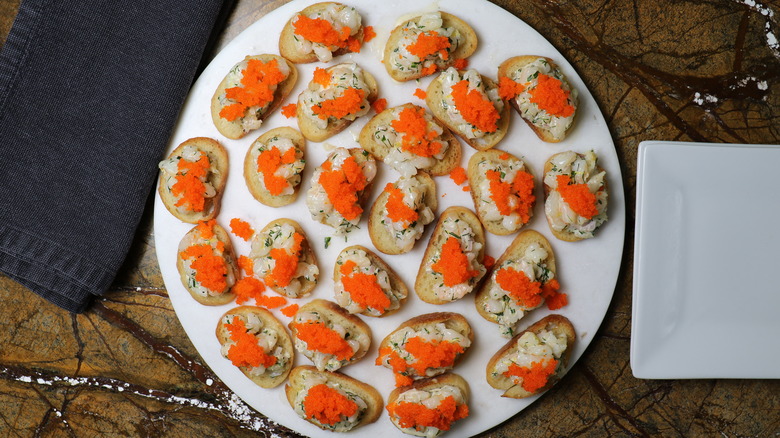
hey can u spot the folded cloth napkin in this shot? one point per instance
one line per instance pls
(89, 95)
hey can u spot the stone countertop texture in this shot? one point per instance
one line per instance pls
(689, 70)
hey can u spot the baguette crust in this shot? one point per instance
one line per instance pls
(217, 177)
(429, 384)
(380, 236)
(282, 340)
(463, 51)
(254, 178)
(507, 69)
(435, 95)
(557, 324)
(306, 255)
(426, 280)
(302, 376)
(235, 129)
(314, 133)
(331, 313)
(380, 150)
(288, 47)
(478, 195)
(397, 286)
(193, 237)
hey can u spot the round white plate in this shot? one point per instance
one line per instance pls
(587, 270)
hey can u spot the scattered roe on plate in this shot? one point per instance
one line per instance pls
(206, 228)
(363, 288)
(368, 33)
(397, 210)
(418, 416)
(290, 310)
(319, 337)
(420, 94)
(534, 377)
(461, 64)
(509, 89)
(285, 263)
(415, 137)
(189, 186)
(289, 110)
(453, 264)
(268, 162)
(328, 405)
(245, 352)
(248, 288)
(379, 105)
(241, 228)
(342, 187)
(430, 43)
(522, 188)
(550, 96)
(246, 264)
(258, 84)
(349, 102)
(554, 299)
(475, 107)
(210, 269)
(320, 30)
(577, 196)
(458, 175)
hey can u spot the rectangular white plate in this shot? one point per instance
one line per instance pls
(706, 299)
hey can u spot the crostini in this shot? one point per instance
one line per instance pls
(400, 213)
(332, 401)
(537, 89)
(334, 98)
(207, 264)
(339, 187)
(192, 179)
(250, 92)
(502, 188)
(283, 259)
(365, 284)
(426, 44)
(328, 335)
(469, 104)
(452, 265)
(408, 138)
(257, 343)
(429, 407)
(425, 346)
(320, 32)
(523, 278)
(575, 189)
(273, 166)
(534, 360)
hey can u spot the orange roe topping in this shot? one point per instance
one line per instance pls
(535, 377)
(350, 102)
(327, 405)
(420, 94)
(290, 310)
(509, 89)
(268, 162)
(342, 187)
(475, 108)
(271, 302)
(428, 44)
(416, 138)
(210, 269)
(489, 262)
(363, 288)
(248, 288)
(522, 187)
(206, 228)
(525, 292)
(397, 364)
(319, 337)
(554, 299)
(188, 185)
(379, 105)
(368, 33)
(504, 156)
(289, 110)
(551, 97)
(431, 69)
(453, 264)
(319, 30)
(246, 352)
(418, 416)
(286, 263)
(397, 210)
(432, 354)
(458, 175)
(578, 196)
(241, 229)
(258, 84)
(321, 77)
(246, 264)
(461, 64)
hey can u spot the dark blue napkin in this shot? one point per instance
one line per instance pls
(89, 95)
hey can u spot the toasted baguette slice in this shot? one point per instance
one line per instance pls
(426, 284)
(313, 132)
(557, 324)
(508, 68)
(569, 233)
(303, 378)
(483, 201)
(290, 49)
(216, 177)
(203, 294)
(513, 253)
(380, 150)
(462, 31)
(427, 325)
(276, 374)
(255, 179)
(395, 293)
(261, 248)
(237, 128)
(384, 240)
(435, 97)
(442, 386)
(330, 314)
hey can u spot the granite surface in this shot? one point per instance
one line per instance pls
(691, 70)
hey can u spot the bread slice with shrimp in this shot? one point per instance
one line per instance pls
(216, 177)
(254, 178)
(265, 239)
(188, 274)
(424, 393)
(395, 289)
(289, 46)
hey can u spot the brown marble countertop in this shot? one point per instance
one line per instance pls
(690, 70)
